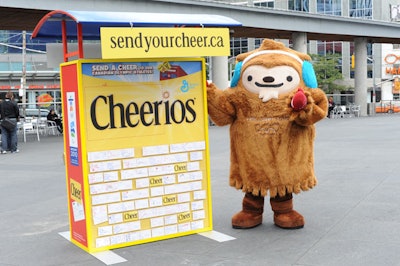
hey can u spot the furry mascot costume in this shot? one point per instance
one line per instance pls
(271, 107)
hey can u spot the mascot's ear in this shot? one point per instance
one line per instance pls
(309, 77)
(236, 74)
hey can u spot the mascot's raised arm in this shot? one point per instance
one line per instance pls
(271, 106)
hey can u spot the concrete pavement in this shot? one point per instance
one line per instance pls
(352, 216)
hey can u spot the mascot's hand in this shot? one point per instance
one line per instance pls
(221, 111)
(210, 86)
(302, 105)
(299, 100)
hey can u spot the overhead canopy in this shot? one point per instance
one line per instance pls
(50, 25)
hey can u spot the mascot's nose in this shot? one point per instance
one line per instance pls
(268, 79)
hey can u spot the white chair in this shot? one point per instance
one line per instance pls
(334, 112)
(343, 111)
(30, 128)
(42, 126)
(52, 128)
(355, 109)
(339, 111)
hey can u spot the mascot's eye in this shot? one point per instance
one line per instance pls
(289, 78)
(249, 78)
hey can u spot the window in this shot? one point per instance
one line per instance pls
(325, 48)
(329, 7)
(257, 42)
(360, 8)
(299, 5)
(264, 3)
(238, 46)
(328, 49)
(370, 62)
(261, 3)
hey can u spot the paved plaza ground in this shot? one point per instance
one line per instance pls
(352, 215)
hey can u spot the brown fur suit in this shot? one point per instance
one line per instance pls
(271, 143)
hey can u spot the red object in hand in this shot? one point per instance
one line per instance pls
(299, 100)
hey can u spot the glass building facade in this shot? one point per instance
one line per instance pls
(362, 9)
(11, 43)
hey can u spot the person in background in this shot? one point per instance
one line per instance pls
(331, 105)
(9, 139)
(1, 100)
(52, 116)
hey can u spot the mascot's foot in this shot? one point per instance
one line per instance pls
(251, 214)
(284, 215)
(246, 220)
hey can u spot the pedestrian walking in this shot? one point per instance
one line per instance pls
(9, 117)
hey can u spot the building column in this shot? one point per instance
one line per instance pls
(251, 44)
(219, 71)
(360, 74)
(346, 67)
(300, 42)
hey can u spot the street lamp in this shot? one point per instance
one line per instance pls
(23, 79)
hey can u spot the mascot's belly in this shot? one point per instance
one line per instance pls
(271, 154)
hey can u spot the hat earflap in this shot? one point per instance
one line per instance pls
(309, 77)
(236, 74)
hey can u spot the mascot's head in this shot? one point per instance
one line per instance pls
(273, 69)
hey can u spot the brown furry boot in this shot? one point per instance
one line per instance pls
(251, 214)
(284, 215)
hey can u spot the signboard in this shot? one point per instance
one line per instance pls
(392, 64)
(396, 85)
(136, 145)
(158, 42)
(395, 12)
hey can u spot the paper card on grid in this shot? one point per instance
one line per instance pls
(78, 212)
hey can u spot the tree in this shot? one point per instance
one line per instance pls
(327, 71)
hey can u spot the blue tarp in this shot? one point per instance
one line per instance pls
(50, 25)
